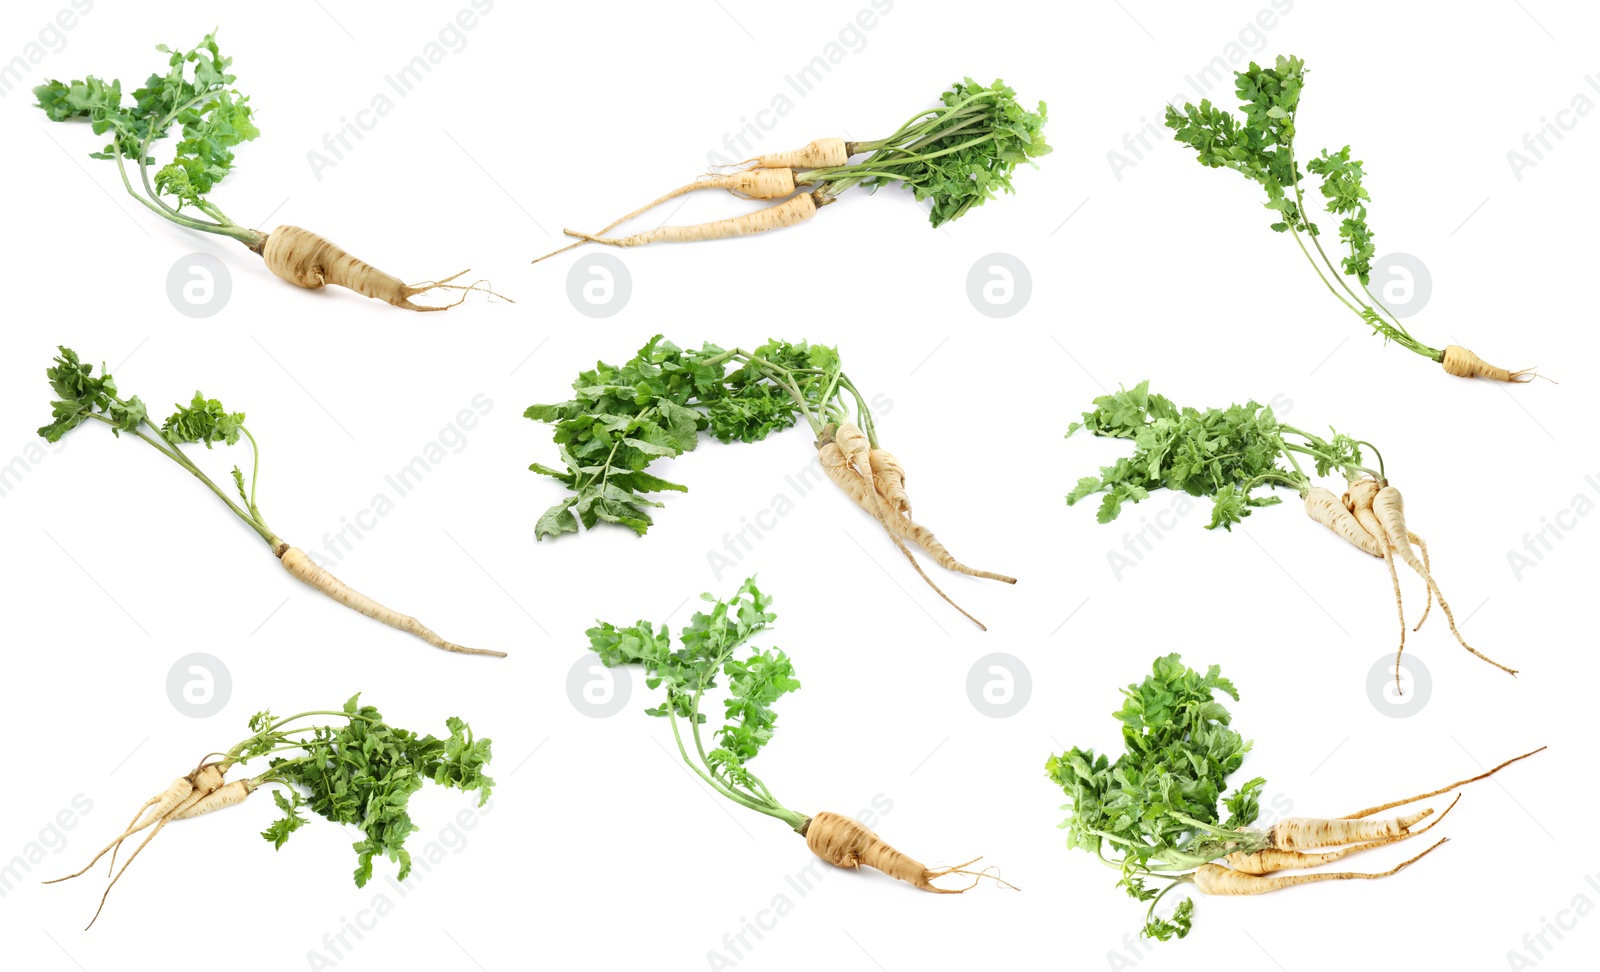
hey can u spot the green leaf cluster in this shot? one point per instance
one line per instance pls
(1260, 146)
(958, 155)
(79, 395)
(1154, 809)
(621, 419)
(363, 772)
(194, 92)
(1215, 453)
(713, 644)
(203, 420)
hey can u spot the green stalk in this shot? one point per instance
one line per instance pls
(176, 455)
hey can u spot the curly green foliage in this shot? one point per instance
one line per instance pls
(1214, 453)
(194, 92)
(203, 420)
(363, 773)
(655, 405)
(1155, 808)
(1260, 147)
(79, 394)
(709, 647)
(1347, 197)
(958, 156)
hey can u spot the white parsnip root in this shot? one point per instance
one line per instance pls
(297, 563)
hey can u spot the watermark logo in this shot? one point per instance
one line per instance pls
(199, 685)
(849, 39)
(1540, 142)
(1402, 282)
(51, 38)
(50, 839)
(595, 690)
(199, 285)
(448, 41)
(999, 285)
(999, 685)
(1409, 696)
(599, 285)
(1552, 530)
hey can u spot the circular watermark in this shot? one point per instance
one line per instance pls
(199, 285)
(595, 690)
(999, 685)
(199, 685)
(599, 285)
(1409, 696)
(1402, 282)
(999, 285)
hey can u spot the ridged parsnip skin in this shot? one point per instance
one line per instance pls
(1389, 506)
(296, 562)
(1326, 509)
(1358, 500)
(1272, 859)
(820, 153)
(759, 183)
(784, 214)
(1218, 880)
(840, 471)
(1300, 833)
(889, 479)
(843, 842)
(224, 796)
(1462, 363)
(309, 260)
(855, 446)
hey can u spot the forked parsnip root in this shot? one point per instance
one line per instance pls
(787, 213)
(1215, 879)
(844, 842)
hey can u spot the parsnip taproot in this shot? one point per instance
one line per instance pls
(196, 93)
(1261, 147)
(82, 396)
(357, 769)
(956, 154)
(1232, 455)
(623, 418)
(1165, 809)
(717, 643)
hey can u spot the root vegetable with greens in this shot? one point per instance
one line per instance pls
(1228, 454)
(957, 154)
(1153, 813)
(81, 397)
(196, 93)
(718, 644)
(622, 419)
(355, 770)
(1261, 148)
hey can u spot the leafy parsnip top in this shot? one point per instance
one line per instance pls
(623, 418)
(1222, 453)
(957, 155)
(710, 646)
(1154, 809)
(361, 772)
(1261, 147)
(194, 92)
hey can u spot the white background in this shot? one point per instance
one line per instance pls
(598, 850)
